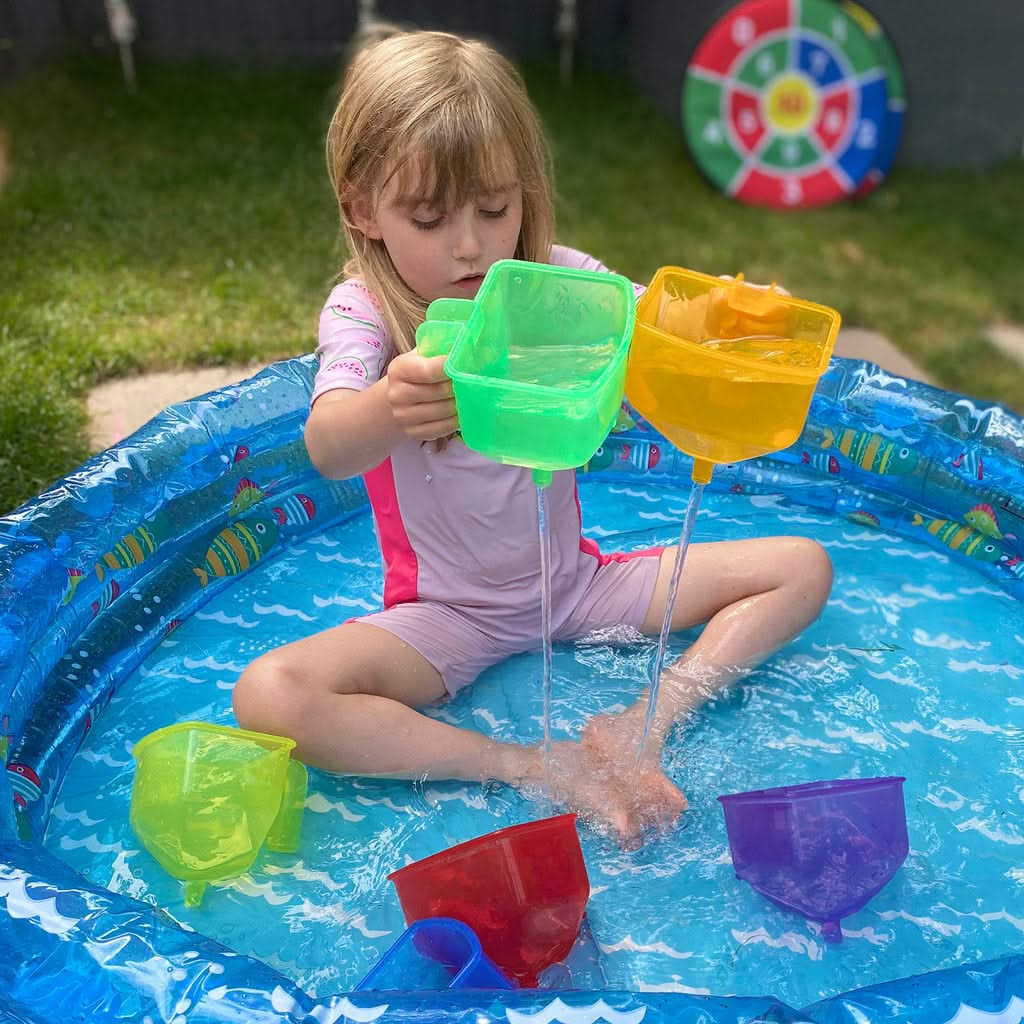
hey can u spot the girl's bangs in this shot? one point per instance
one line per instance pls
(445, 167)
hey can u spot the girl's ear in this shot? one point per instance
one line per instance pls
(362, 214)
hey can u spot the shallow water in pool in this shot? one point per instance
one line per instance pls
(913, 669)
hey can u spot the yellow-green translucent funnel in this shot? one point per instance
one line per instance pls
(206, 797)
(725, 370)
(537, 361)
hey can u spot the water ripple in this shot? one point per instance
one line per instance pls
(911, 670)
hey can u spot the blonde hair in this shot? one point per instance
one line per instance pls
(444, 113)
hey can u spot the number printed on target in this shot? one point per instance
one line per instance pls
(784, 103)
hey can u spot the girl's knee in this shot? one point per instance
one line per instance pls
(811, 571)
(268, 696)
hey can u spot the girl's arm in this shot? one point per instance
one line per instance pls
(349, 432)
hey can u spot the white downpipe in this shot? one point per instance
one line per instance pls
(367, 15)
(566, 27)
(121, 23)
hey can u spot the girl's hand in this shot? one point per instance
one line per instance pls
(420, 395)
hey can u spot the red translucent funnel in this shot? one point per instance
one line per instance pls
(523, 890)
(822, 849)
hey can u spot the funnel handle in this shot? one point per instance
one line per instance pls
(442, 325)
(194, 890)
(283, 836)
(458, 310)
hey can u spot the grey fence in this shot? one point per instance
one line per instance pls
(262, 30)
(963, 59)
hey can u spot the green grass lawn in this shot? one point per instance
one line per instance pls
(193, 224)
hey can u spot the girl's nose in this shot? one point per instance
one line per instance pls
(467, 242)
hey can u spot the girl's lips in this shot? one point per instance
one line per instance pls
(470, 282)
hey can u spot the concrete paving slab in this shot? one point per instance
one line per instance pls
(118, 408)
(1009, 339)
(859, 343)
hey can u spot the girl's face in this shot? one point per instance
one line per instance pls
(444, 252)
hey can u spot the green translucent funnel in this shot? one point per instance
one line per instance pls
(537, 361)
(206, 798)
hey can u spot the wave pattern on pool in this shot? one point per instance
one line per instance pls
(913, 669)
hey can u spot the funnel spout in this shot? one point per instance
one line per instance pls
(702, 470)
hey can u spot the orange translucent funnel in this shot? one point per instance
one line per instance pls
(726, 370)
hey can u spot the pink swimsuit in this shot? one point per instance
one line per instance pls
(458, 532)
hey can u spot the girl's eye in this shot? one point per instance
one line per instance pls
(495, 213)
(427, 225)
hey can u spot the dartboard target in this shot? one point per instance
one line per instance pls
(896, 97)
(784, 103)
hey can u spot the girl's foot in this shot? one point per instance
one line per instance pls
(608, 795)
(612, 740)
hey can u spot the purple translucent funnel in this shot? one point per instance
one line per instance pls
(822, 849)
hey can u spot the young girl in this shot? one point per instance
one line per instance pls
(440, 169)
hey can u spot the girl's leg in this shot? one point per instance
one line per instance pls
(753, 595)
(346, 696)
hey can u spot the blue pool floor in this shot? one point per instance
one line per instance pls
(913, 670)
